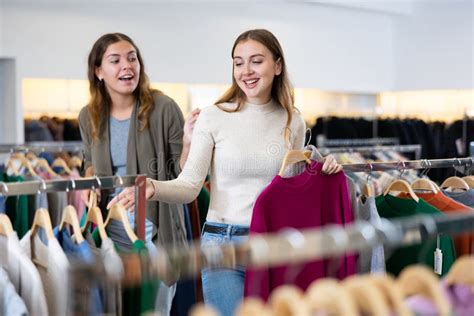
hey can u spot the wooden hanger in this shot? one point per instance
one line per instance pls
(31, 155)
(391, 292)
(43, 163)
(288, 300)
(75, 162)
(292, 157)
(366, 296)
(92, 199)
(25, 163)
(60, 162)
(69, 217)
(10, 166)
(469, 180)
(424, 184)
(119, 213)
(94, 216)
(462, 271)
(401, 186)
(202, 310)
(6, 228)
(253, 306)
(42, 220)
(455, 183)
(420, 280)
(327, 296)
(367, 190)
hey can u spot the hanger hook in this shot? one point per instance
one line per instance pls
(402, 169)
(120, 180)
(97, 180)
(310, 136)
(454, 166)
(288, 141)
(369, 173)
(426, 164)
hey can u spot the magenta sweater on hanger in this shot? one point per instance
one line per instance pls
(308, 200)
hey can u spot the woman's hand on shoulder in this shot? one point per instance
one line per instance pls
(330, 165)
(189, 126)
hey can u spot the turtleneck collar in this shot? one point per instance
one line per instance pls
(262, 108)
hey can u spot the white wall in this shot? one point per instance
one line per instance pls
(434, 47)
(327, 47)
(1, 28)
(10, 113)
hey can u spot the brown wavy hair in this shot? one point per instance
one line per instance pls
(282, 90)
(100, 102)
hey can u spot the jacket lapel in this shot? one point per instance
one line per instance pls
(132, 157)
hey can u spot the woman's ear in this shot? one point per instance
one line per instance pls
(278, 67)
(98, 73)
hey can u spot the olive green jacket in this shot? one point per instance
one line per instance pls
(154, 151)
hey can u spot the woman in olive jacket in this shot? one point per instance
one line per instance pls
(130, 128)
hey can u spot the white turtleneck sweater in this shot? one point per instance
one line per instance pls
(242, 150)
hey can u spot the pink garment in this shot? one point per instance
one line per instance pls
(461, 298)
(308, 200)
(74, 197)
(420, 305)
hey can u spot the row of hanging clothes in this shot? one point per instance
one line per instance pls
(40, 161)
(417, 290)
(317, 200)
(38, 270)
(62, 160)
(438, 139)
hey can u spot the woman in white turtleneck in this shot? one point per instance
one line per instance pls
(240, 142)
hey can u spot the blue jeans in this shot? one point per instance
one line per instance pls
(223, 288)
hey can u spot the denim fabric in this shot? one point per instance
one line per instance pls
(223, 289)
(80, 252)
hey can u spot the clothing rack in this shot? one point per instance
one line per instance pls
(370, 149)
(323, 142)
(293, 246)
(467, 163)
(39, 147)
(109, 182)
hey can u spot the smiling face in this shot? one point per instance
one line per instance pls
(119, 69)
(254, 70)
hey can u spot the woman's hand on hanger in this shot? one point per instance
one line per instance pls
(330, 165)
(127, 196)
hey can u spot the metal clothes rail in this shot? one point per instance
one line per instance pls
(39, 147)
(370, 149)
(109, 182)
(456, 163)
(323, 142)
(293, 246)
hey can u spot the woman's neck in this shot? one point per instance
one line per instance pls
(122, 107)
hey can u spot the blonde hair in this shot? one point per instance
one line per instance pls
(99, 103)
(282, 90)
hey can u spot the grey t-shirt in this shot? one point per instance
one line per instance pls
(466, 198)
(372, 260)
(119, 130)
